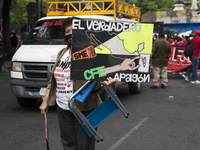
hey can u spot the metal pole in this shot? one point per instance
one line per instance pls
(38, 9)
(28, 23)
(41, 9)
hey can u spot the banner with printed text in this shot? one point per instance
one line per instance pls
(178, 61)
(103, 49)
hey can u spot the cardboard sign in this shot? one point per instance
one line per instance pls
(103, 49)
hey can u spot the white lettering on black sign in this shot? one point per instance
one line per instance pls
(107, 26)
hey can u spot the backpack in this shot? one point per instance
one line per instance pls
(189, 49)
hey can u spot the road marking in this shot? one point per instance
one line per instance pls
(119, 142)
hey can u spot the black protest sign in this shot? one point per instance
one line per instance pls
(103, 49)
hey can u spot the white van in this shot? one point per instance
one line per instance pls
(32, 63)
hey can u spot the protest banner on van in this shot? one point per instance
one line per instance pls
(103, 49)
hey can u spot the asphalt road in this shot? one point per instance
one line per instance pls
(160, 119)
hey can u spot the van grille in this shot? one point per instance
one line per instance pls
(28, 67)
(37, 71)
(32, 89)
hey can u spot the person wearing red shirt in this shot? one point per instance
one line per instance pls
(195, 60)
(170, 40)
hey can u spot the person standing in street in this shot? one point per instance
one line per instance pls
(160, 55)
(195, 60)
(14, 42)
(59, 91)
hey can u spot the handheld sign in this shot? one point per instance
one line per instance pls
(103, 49)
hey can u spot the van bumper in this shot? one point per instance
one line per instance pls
(27, 89)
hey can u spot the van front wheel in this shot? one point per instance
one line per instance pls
(25, 102)
(134, 87)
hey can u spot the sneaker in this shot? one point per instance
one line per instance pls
(185, 77)
(195, 82)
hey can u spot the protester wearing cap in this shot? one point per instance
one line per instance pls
(195, 60)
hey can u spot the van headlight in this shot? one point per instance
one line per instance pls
(16, 66)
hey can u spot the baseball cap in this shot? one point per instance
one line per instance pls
(197, 32)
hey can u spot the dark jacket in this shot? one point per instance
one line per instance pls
(14, 41)
(161, 53)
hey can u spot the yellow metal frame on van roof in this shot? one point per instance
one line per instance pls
(113, 7)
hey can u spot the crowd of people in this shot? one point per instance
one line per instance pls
(175, 39)
(161, 53)
(14, 39)
(15, 43)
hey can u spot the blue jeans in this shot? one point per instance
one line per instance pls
(193, 69)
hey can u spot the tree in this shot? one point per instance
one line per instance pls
(6, 28)
(152, 6)
(18, 15)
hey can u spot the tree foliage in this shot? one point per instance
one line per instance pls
(18, 15)
(153, 5)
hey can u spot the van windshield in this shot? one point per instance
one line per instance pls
(47, 31)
